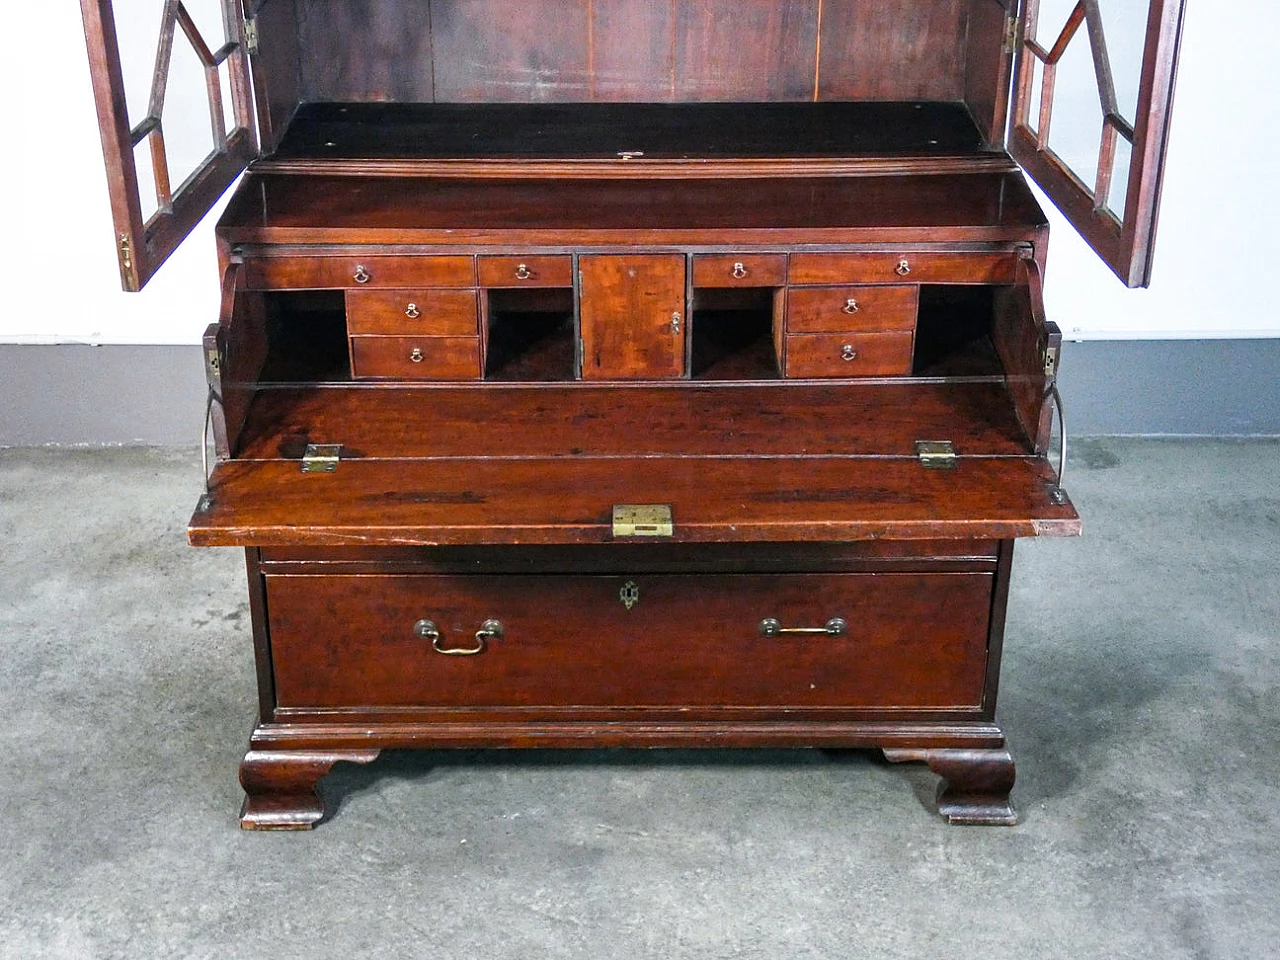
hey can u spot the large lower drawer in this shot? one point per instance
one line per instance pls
(911, 640)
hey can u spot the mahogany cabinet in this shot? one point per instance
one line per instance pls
(637, 372)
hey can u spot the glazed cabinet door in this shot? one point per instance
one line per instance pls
(1093, 92)
(632, 316)
(167, 164)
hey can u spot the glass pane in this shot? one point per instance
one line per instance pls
(137, 29)
(186, 120)
(1076, 129)
(1120, 179)
(228, 105)
(188, 132)
(1037, 93)
(1125, 26)
(1100, 69)
(146, 179)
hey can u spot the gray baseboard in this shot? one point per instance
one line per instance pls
(76, 394)
(1212, 388)
(155, 395)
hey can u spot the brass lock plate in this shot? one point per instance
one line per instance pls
(642, 520)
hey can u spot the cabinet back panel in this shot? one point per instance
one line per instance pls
(892, 50)
(988, 65)
(632, 50)
(276, 70)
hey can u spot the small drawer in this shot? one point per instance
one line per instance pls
(903, 267)
(850, 354)
(526, 271)
(860, 641)
(357, 271)
(432, 313)
(834, 309)
(416, 358)
(740, 270)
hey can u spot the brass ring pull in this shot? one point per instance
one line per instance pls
(412, 311)
(848, 353)
(415, 355)
(835, 627)
(362, 275)
(850, 306)
(739, 270)
(903, 268)
(522, 272)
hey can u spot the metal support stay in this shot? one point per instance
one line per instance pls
(207, 499)
(1057, 494)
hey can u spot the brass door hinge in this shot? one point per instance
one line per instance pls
(321, 457)
(642, 520)
(251, 34)
(1011, 35)
(936, 454)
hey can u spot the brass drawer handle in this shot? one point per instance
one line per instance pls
(522, 272)
(427, 630)
(415, 355)
(412, 311)
(362, 275)
(835, 627)
(903, 268)
(850, 306)
(739, 271)
(848, 353)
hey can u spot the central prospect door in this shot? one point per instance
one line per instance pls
(632, 312)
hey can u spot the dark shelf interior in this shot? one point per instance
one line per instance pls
(530, 336)
(606, 131)
(306, 337)
(953, 333)
(731, 335)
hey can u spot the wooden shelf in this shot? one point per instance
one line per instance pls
(694, 213)
(628, 131)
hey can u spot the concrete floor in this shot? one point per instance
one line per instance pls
(1140, 693)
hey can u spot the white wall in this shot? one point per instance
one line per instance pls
(1217, 244)
(58, 244)
(1214, 257)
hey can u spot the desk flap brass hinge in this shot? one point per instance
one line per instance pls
(1050, 361)
(321, 457)
(642, 520)
(936, 454)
